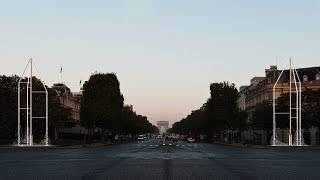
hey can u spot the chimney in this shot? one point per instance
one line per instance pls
(272, 69)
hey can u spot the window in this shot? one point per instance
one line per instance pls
(305, 78)
(317, 77)
(270, 96)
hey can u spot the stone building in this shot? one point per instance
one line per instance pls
(261, 88)
(69, 100)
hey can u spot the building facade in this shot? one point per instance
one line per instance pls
(261, 88)
(69, 100)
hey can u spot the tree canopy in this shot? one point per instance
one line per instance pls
(58, 114)
(102, 106)
(218, 113)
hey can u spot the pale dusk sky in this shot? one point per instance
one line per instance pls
(164, 53)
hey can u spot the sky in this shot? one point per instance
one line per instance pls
(165, 53)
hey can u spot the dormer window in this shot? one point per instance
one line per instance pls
(317, 77)
(305, 78)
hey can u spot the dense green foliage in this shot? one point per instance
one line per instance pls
(102, 107)
(58, 115)
(102, 102)
(262, 118)
(218, 113)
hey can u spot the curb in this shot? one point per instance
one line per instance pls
(267, 146)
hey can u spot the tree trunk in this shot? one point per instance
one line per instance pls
(104, 136)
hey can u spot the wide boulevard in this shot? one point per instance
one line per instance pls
(147, 160)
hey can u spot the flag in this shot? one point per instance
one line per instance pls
(80, 83)
(61, 69)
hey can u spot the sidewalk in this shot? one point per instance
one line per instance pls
(241, 145)
(92, 145)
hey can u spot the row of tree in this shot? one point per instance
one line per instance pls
(218, 113)
(102, 108)
(221, 112)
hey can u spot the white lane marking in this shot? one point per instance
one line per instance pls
(150, 145)
(183, 145)
(47, 160)
(178, 145)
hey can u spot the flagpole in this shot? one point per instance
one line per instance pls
(61, 74)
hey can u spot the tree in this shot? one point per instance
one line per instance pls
(102, 103)
(8, 106)
(311, 108)
(58, 114)
(222, 106)
(218, 113)
(262, 117)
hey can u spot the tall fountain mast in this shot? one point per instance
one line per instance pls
(31, 134)
(290, 106)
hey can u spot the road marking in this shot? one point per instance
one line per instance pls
(183, 145)
(178, 145)
(150, 145)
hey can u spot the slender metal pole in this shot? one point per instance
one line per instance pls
(28, 112)
(294, 74)
(300, 107)
(274, 108)
(47, 138)
(19, 106)
(274, 117)
(290, 106)
(31, 134)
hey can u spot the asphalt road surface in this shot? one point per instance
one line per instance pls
(147, 160)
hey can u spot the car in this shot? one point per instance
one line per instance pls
(190, 140)
(174, 138)
(166, 142)
(140, 137)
